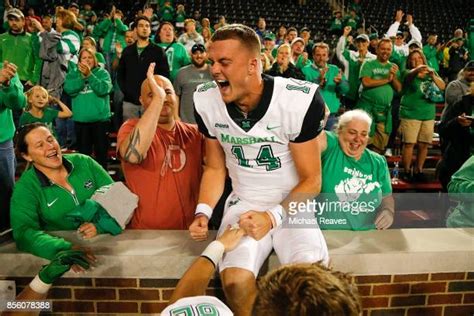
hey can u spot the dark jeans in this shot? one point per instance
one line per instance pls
(92, 137)
(65, 127)
(7, 181)
(395, 121)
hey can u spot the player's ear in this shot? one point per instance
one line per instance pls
(253, 65)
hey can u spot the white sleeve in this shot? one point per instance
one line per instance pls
(415, 33)
(392, 30)
(341, 46)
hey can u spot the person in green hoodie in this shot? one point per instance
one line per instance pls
(89, 86)
(11, 97)
(53, 188)
(112, 30)
(462, 187)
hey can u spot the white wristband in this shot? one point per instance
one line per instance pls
(214, 252)
(39, 286)
(278, 214)
(203, 208)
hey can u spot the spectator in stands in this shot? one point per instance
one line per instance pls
(374, 40)
(37, 109)
(417, 113)
(299, 57)
(89, 85)
(167, 12)
(352, 173)
(456, 130)
(269, 48)
(180, 17)
(90, 43)
(432, 52)
(281, 35)
(11, 97)
(53, 188)
(462, 184)
(458, 56)
(220, 23)
(380, 78)
(176, 53)
(155, 21)
(187, 79)
(352, 20)
(166, 152)
(291, 34)
(81, 25)
(282, 67)
(266, 64)
(47, 23)
(112, 30)
(261, 29)
(190, 37)
(336, 25)
(305, 34)
(205, 23)
(206, 34)
(16, 46)
(89, 16)
(352, 61)
(330, 78)
(400, 49)
(134, 64)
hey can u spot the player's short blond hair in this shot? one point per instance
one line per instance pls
(244, 34)
(306, 289)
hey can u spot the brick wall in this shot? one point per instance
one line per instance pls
(434, 294)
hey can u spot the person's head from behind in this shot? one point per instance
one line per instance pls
(306, 289)
(234, 52)
(87, 57)
(415, 58)
(66, 20)
(384, 50)
(37, 98)
(166, 33)
(130, 37)
(353, 132)
(35, 143)
(170, 101)
(16, 20)
(321, 54)
(143, 28)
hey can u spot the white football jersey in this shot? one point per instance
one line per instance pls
(197, 306)
(259, 161)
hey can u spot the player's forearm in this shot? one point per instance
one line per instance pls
(136, 145)
(212, 186)
(305, 190)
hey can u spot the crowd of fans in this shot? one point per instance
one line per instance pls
(70, 77)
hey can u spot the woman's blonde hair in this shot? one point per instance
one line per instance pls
(90, 51)
(29, 94)
(69, 20)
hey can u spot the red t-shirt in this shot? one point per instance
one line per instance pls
(167, 181)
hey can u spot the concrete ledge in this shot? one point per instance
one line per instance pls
(167, 254)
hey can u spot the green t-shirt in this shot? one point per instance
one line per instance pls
(380, 96)
(414, 105)
(352, 189)
(180, 16)
(49, 115)
(177, 57)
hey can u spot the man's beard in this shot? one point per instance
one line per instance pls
(198, 65)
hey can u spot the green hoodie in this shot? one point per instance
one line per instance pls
(18, 49)
(38, 205)
(111, 33)
(90, 96)
(11, 98)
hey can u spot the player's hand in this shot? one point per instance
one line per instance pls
(463, 120)
(231, 237)
(347, 30)
(157, 91)
(8, 72)
(384, 219)
(399, 16)
(87, 230)
(61, 263)
(255, 224)
(198, 229)
(91, 259)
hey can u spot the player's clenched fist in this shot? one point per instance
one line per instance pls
(255, 224)
(198, 229)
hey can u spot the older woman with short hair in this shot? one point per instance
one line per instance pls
(356, 188)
